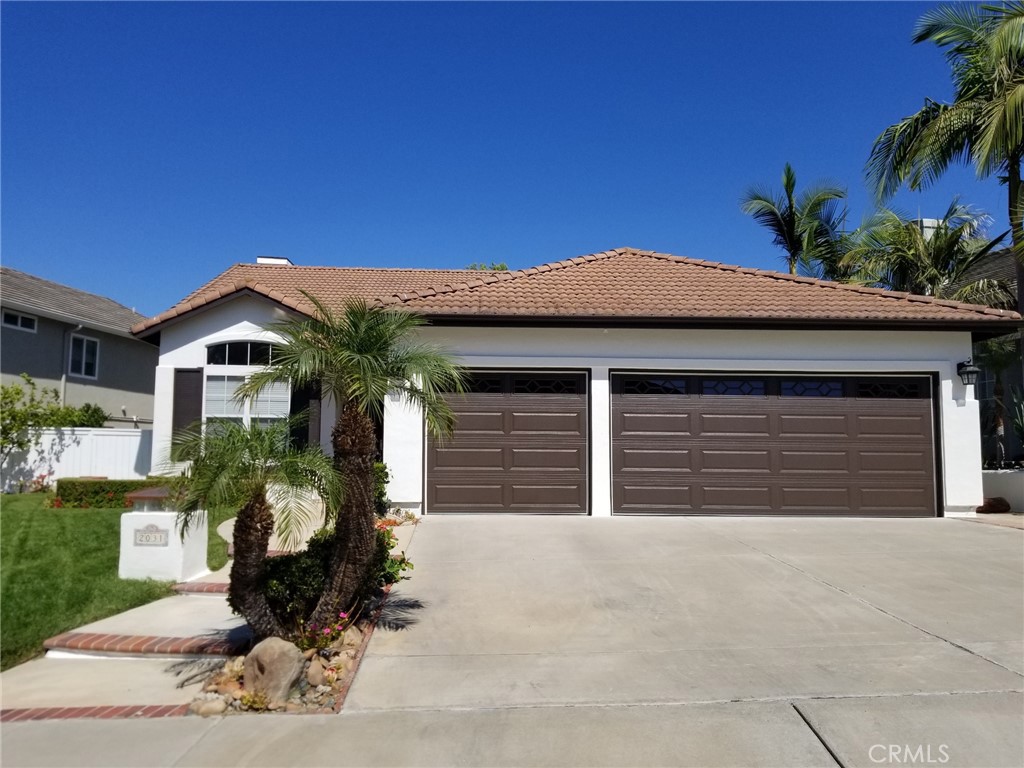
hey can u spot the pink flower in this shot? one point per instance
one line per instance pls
(343, 615)
(327, 630)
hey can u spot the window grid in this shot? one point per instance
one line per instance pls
(20, 321)
(84, 357)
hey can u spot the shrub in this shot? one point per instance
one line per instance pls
(293, 584)
(89, 415)
(101, 494)
(381, 478)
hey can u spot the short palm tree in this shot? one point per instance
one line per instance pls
(984, 123)
(357, 356)
(807, 227)
(899, 254)
(254, 470)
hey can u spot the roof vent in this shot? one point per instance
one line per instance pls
(281, 261)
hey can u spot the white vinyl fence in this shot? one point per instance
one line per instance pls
(118, 454)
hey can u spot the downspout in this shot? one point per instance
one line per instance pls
(65, 351)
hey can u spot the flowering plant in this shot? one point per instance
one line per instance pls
(316, 636)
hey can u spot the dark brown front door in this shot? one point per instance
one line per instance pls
(520, 445)
(751, 444)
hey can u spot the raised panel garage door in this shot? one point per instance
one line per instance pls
(752, 444)
(520, 445)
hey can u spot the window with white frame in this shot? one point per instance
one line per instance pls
(19, 321)
(229, 364)
(84, 357)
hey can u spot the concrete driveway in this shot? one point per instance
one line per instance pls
(839, 633)
(650, 641)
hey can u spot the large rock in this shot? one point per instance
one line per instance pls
(997, 505)
(272, 668)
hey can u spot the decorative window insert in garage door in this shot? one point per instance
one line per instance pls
(753, 444)
(520, 445)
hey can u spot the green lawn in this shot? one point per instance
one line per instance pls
(58, 570)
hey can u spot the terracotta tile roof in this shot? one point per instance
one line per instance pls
(284, 283)
(627, 283)
(623, 284)
(29, 293)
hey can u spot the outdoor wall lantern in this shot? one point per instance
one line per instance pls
(968, 371)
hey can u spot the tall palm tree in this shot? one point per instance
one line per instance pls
(255, 470)
(983, 125)
(896, 253)
(357, 357)
(807, 227)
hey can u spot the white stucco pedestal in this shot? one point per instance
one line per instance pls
(1008, 483)
(152, 548)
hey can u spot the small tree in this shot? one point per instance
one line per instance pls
(494, 266)
(254, 470)
(357, 356)
(25, 409)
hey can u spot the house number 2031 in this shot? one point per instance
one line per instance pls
(151, 536)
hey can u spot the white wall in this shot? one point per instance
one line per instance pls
(118, 454)
(183, 345)
(603, 350)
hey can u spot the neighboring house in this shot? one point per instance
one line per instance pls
(630, 382)
(77, 343)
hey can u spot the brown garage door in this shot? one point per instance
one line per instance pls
(759, 445)
(520, 445)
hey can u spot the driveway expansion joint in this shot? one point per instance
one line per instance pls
(819, 737)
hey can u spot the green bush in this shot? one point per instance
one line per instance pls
(293, 583)
(381, 478)
(101, 494)
(89, 415)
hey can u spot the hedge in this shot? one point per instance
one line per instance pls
(101, 494)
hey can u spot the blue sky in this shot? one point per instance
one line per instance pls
(147, 147)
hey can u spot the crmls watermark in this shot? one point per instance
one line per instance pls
(905, 754)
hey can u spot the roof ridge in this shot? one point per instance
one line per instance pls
(853, 287)
(488, 277)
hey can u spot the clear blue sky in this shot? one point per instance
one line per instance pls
(147, 147)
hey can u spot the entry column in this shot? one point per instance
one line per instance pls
(600, 442)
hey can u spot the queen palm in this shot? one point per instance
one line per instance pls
(357, 356)
(894, 252)
(253, 469)
(806, 227)
(984, 123)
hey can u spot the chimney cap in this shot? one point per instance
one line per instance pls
(279, 260)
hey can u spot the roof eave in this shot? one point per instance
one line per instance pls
(63, 317)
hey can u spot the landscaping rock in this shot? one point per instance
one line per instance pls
(272, 668)
(309, 653)
(315, 673)
(209, 707)
(997, 505)
(353, 637)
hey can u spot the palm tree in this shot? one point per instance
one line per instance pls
(806, 227)
(983, 125)
(255, 470)
(357, 357)
(899, 254)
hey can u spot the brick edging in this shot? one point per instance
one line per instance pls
(339, 701)
(145, 644)
(92, 713)
(200, 588)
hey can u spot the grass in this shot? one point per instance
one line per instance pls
(58, 570)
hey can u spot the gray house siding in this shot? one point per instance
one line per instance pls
(125, 374)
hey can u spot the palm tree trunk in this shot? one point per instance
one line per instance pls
(251, 539)
(355, 449)
(1016, 225)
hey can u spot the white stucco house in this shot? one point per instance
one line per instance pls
(627, 382)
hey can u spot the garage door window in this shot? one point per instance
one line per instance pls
(749, 387)
(811, 388)
(641, 385)
(546, 385)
